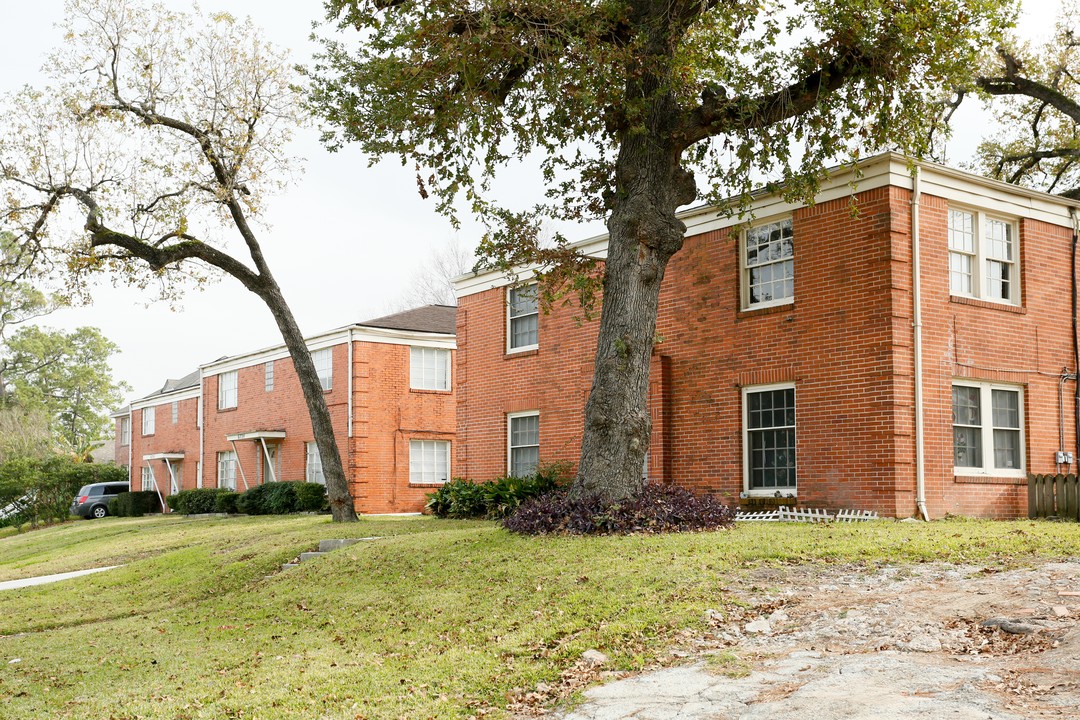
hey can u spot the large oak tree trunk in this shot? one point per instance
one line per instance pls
(644, 233)
(337, 485)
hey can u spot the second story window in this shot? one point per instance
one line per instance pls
(983, 257)
(268, 372)
(523, 318)
(429, 369)
(175, 411)
(125, 430)
(768, 265)
(324, 367)
(227, 389)
(148, 421)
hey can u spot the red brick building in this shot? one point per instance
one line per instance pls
(903, 345)
(241, 421)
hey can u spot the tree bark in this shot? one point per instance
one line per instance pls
(643, 234)
(337, 484)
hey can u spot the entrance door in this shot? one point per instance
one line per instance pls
(271, 467)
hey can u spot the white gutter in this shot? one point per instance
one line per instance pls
(916, 291)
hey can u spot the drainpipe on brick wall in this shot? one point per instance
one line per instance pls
(1076, 337)
(202, 431)
(352, 371)
(916, 292)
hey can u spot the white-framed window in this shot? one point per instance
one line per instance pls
(769, 439)
(522, 318)
(268, 373)
(984, 257)
(125, 430)
(148, 415)
(988, 429)
(147, 480)
(523, 443)
(768, 265)
(429, 368)
(314, 471)
(429, 461)
(228, 389)
(226, 470)
(324, 367)
(175, 411)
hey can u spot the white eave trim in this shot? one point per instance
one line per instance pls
(878, 171)
(164, 456)
(340, 336)
(167, 398)
(257, 435)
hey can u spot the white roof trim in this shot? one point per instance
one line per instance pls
(879, 171)
(164, 456)
(330, 339)
(257, 435)
(167, 398)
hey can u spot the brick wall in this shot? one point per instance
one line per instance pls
(168, 437)
(846, 343)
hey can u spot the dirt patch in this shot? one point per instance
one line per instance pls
(931, 640)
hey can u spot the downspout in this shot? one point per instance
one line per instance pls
(131, 441)
(916, 292)
(202, 431)
(350, 383)
(1076, 337)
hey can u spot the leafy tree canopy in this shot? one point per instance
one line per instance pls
(628, 104)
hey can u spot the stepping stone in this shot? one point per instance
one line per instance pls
(331, 545)
(289, 566)
(305, 556)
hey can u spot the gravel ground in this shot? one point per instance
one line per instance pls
(928, 641)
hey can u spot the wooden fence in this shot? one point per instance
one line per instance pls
(1054, 496)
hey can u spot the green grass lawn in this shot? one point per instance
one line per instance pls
(438, 619)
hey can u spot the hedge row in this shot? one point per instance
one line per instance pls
(135, 504)
(274, 498)
(494, 498)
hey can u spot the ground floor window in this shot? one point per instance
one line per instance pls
(524, 443)
(769, 438)
(226, 469)
(314, 472)
(429, 461)
(987, 428)
(147, 479)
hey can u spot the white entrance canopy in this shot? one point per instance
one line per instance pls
(259, 436)
(164, 456)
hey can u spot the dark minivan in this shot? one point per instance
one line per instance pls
(93, 500)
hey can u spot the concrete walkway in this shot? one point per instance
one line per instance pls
(43, 579)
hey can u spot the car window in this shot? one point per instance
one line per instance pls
(84, 490)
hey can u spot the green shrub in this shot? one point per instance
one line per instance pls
(273, 498)
(225, 502)
(44, 487)
(495, 498)
(311, 497)
(135, 504)
(196, 501)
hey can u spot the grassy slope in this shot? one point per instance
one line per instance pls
(437, 619)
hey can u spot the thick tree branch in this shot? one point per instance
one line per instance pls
(1014, 83)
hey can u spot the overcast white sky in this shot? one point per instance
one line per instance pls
(344, 241)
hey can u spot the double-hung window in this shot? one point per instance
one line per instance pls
(523, 444)
(228, 387)
(429, 369)
(226, 470)
(983, 257)
(268, 375)
(988, 429)
(324, 367)
(147, 479)
(768, 265)
(523, 318)
(314, 471)
(175, 411)
(148, 420)
(769, 439)
(429, 462)
(125, 430)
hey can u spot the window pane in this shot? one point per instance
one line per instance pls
(324, 367)
(523, 301)
(967, 447)
(524, 444)
(1006, 408)
(961, 231)
(269, 376)
(966, 405)
(1007, 449)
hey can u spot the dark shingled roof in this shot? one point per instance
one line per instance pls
(430, 318)
(188, 381)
